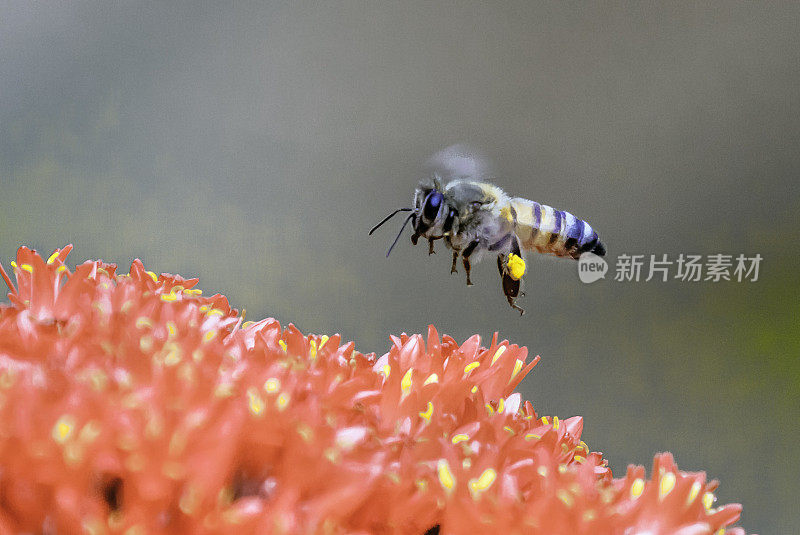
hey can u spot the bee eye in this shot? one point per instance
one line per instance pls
(432, 204)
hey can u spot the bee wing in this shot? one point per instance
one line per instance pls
(460, 162)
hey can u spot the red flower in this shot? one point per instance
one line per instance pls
(133, 404)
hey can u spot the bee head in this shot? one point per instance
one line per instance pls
(429, 203)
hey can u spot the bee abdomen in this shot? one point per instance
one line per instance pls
(551, 231)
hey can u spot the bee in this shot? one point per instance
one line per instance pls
(475, 218)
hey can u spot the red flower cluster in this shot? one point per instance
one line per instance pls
(133, 404)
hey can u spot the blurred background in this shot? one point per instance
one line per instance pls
(254, 146)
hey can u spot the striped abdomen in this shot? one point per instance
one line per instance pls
(546, 230)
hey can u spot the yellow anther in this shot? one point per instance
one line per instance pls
(305, 431)
(272, 385)
(666, 485)
(215, 312)
(693, 492)
(498, 353)
(189, 501)
(61, 268)
(254, 402)
(89, 432)
(474, 389)
(489, 408)
(146, 343)
(209, 335)
(135, 462)
(173, 470)
(483, 482)
(152, 276)
(172, 296)
(471, 366)
(193, 291)
(405, 383)
(428, 412)
(223, 390)
(312, 349)
(52, 257)
(63, 428)
(637, 487)
(579, 459)
(708, 500)
(323, 340)
(172, 329)
(173, 355)
(432, 378)
(556, 423)
(461, 437)
(516, 266)
(386, 370)
(509, 429)
(283, 345)
(532, 436)
(565, 497)
(26, 267)
(545, 421)
(283, 401)
(501, 405)
(517, 368)
(143, 322)
(445, 475)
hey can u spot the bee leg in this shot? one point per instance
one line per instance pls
(511, 286)
(465, 259)
(453, 268)
(430, 246)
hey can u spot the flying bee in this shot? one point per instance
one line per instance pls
(475, 218)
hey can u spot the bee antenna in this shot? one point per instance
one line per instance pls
(399, 234)
(388, 217)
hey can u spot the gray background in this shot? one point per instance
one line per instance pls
(253, 145)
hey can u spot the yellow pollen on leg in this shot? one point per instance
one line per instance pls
(516, 266)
